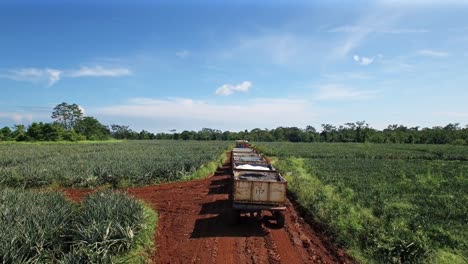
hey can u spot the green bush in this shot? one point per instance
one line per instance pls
(108, 223)
(45, 227)
(459, 141)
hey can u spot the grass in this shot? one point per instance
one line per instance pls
(385, 203)
(208, 169)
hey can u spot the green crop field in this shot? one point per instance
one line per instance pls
(92, 164)
(107, 227)
(385, 203)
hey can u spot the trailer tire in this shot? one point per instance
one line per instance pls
(258, 215)
(279, 216)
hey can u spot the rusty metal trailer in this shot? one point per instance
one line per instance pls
(256, 186)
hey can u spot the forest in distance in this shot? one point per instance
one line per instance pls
(70, 124)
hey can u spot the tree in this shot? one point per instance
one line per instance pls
(362, 131)
(327, 133)
(5, 134)
(209, 134)
(67, 115)
(278, 134)
(145, 135)
(310, 129)
(92, 129)
(293, 134)
(226, 135)
(44, 132)
(122, 132)
(186, 135)
(19, 133)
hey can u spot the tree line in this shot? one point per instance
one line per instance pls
(70, 124)
(358, 132)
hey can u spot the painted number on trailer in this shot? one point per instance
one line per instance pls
(259, 191)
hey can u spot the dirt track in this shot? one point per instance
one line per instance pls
(193, 228)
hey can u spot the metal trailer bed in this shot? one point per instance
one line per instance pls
(256, 187)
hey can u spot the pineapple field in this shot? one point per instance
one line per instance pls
(387, 203)
(91, 164)
(349, 202)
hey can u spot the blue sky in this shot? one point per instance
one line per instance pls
(194, 64)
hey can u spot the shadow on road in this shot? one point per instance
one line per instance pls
(218, 189)
(218, 226)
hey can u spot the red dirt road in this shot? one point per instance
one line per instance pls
(193, 228)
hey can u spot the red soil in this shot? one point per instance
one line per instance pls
(193, 228)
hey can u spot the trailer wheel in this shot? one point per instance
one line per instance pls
(258, 215)
(279, 216)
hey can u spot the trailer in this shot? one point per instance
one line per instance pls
(256, 187)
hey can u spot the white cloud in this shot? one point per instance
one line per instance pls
(366, 61)
(99, 71)
(228, 89)
(433, 53)
(51, 76)
(363, 60)
(339, 92)
(82, 109)
(183, 54)
(187, 113)
(54, 76)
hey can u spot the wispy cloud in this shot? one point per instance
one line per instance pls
(340, 92)
(376, 20)
(280, 48)
(228, 89)
(433, 53)
(98, 71)
(357, 33)
(51, 76)
(193, 114)
(182, 54)
(396, 65)
(363, 60)
(358, 29)
(48, 75)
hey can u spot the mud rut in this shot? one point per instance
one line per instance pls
(193, 228)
